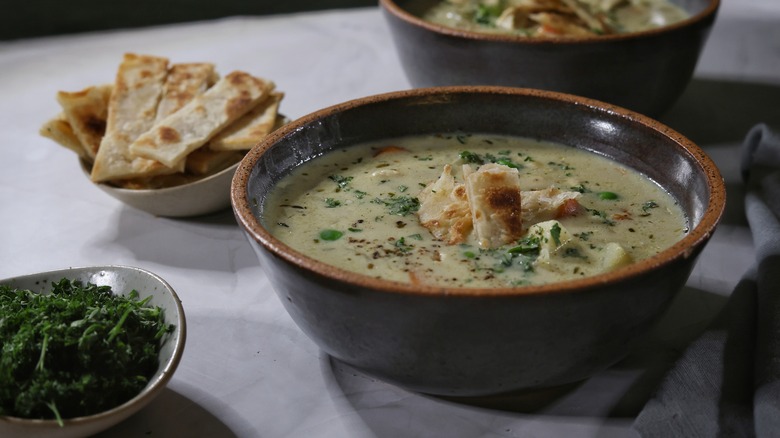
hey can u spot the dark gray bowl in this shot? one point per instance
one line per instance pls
(466, 342)
(643, 71)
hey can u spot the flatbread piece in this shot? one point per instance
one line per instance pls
(495, 200)
(171, 139)
(87, 112)
(59, 130)
(131, 112)
(183, 83)
(247, 131)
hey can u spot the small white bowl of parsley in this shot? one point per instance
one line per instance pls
(82, 349)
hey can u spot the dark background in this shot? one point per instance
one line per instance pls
(31, 18)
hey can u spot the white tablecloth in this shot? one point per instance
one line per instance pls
(247, 369)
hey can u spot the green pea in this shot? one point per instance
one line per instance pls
(608, 195)
(330, 234)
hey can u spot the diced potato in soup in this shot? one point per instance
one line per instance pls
(472, 211)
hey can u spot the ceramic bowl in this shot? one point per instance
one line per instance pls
(643, 71)
(207, 195)
(470, 342)
(122, 280)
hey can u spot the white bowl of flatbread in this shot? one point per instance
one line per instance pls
(166, 138)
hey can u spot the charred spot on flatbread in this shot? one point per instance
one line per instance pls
(86, 112)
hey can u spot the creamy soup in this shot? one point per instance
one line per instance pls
(554, 18)
(472, 211)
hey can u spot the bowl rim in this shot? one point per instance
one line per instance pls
(150, 391)
(684, 248)
(397, 11)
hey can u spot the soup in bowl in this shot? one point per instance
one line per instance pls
(553, 18)
(468, 241)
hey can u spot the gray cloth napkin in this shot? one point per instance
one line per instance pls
(727, 382)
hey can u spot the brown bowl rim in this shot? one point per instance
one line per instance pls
(684, 248)
(400, 13)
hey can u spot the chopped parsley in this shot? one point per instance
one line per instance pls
(402, 245)
(528, 245)
(562, 166)
(523, 254)
(579, 188)
(471, 157)
(602, 215)
(487, 14)
(584, 236)
(506, 162)
(647, 206)
(474, 158)
(76, 351)
(462, 138)
(555, 233)
(399, 205)
(341, 181)
(575, 253)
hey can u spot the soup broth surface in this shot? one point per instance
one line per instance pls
(554, 18)
(357, 209)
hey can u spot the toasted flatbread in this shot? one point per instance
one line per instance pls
(543, 205)
(152, 100)
(59, 130)
(131, 112)
(87, 112)
(183, 83)
(155, 182)
(495, 201)
(203, 161)
(171, 139)
(247, 131)
(444, 208)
